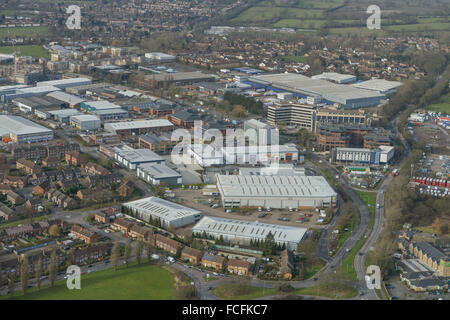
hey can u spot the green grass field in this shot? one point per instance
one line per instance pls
(24, 32)
(22, 221)
(30, 50)
(443, 106)
(300, 23)
(235, 291)
(369, 198)
(330, 290)
(137, 282)
(255, 14)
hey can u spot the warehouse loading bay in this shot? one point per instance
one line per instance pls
(195, 199)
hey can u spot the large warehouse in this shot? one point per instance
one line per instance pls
(172, 215)
(139, 127)
(23, 130)
(65, 83)
(158, 173)
(279, 192)
(347, 96)
(132, 158)
(85, 122)
(242, 232)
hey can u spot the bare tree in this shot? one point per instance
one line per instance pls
(39, 270)
(149, 252)
(11, 283)
(24, 274)
(115, 255)
(138, 251)
(127, 253)
(52, 268)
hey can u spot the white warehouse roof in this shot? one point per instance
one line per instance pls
(137, 155)
(274, 186)
(249, 229)
(164, 209)
(158, 171)
(65, 97)
(124, 125)
(64, 82)
(379, 85)
(19, 126)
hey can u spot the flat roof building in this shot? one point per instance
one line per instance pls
(347, 96)
(336, 77)
(22, 130)
(158, 173)
(243, 232)
(379, 85)
(139, 127)
(85, 122)
(172, 215)
(275, 191)
(132, 158)
(65, 83)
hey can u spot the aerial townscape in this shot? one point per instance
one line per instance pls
(224, 150)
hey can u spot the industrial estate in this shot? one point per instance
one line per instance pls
(222, 162)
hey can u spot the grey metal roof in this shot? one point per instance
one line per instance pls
(249, 229)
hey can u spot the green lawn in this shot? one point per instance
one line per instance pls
(295, 59)
(330, 290)
(235, 291)
(369, 198)
(258, 13)
(300, 23)
(31, 50)
(138, 282)
(24, 32)
(442, 106)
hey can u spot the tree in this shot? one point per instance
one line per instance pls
(11, 283)
(54, 231)
(115, 255)
(24, 274)
(52, 268)
(39, 270)
(437, 225)
(149, 252)
(269, 245)
(238, 111)
(127, 253)
(138, 251)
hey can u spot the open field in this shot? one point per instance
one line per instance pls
(24, 32)
(34, 51)
(332, 290)
(443, 106)
(137, 282)
(349, 19)
(369, 198)
(236, 291)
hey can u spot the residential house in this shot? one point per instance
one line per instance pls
(96, 169)
(7, 213)
(90, 254)
(84, 234)
(75, 158)
(28, 166)
(14, 198)
(192, 255)
(122, 225)
(139, 233)
(15, 182)
(214, 262)
(60, 199)
(240, 267)
(42, 188)
(167, 244)
(34, 204)
(51, 162)
(4, 188)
